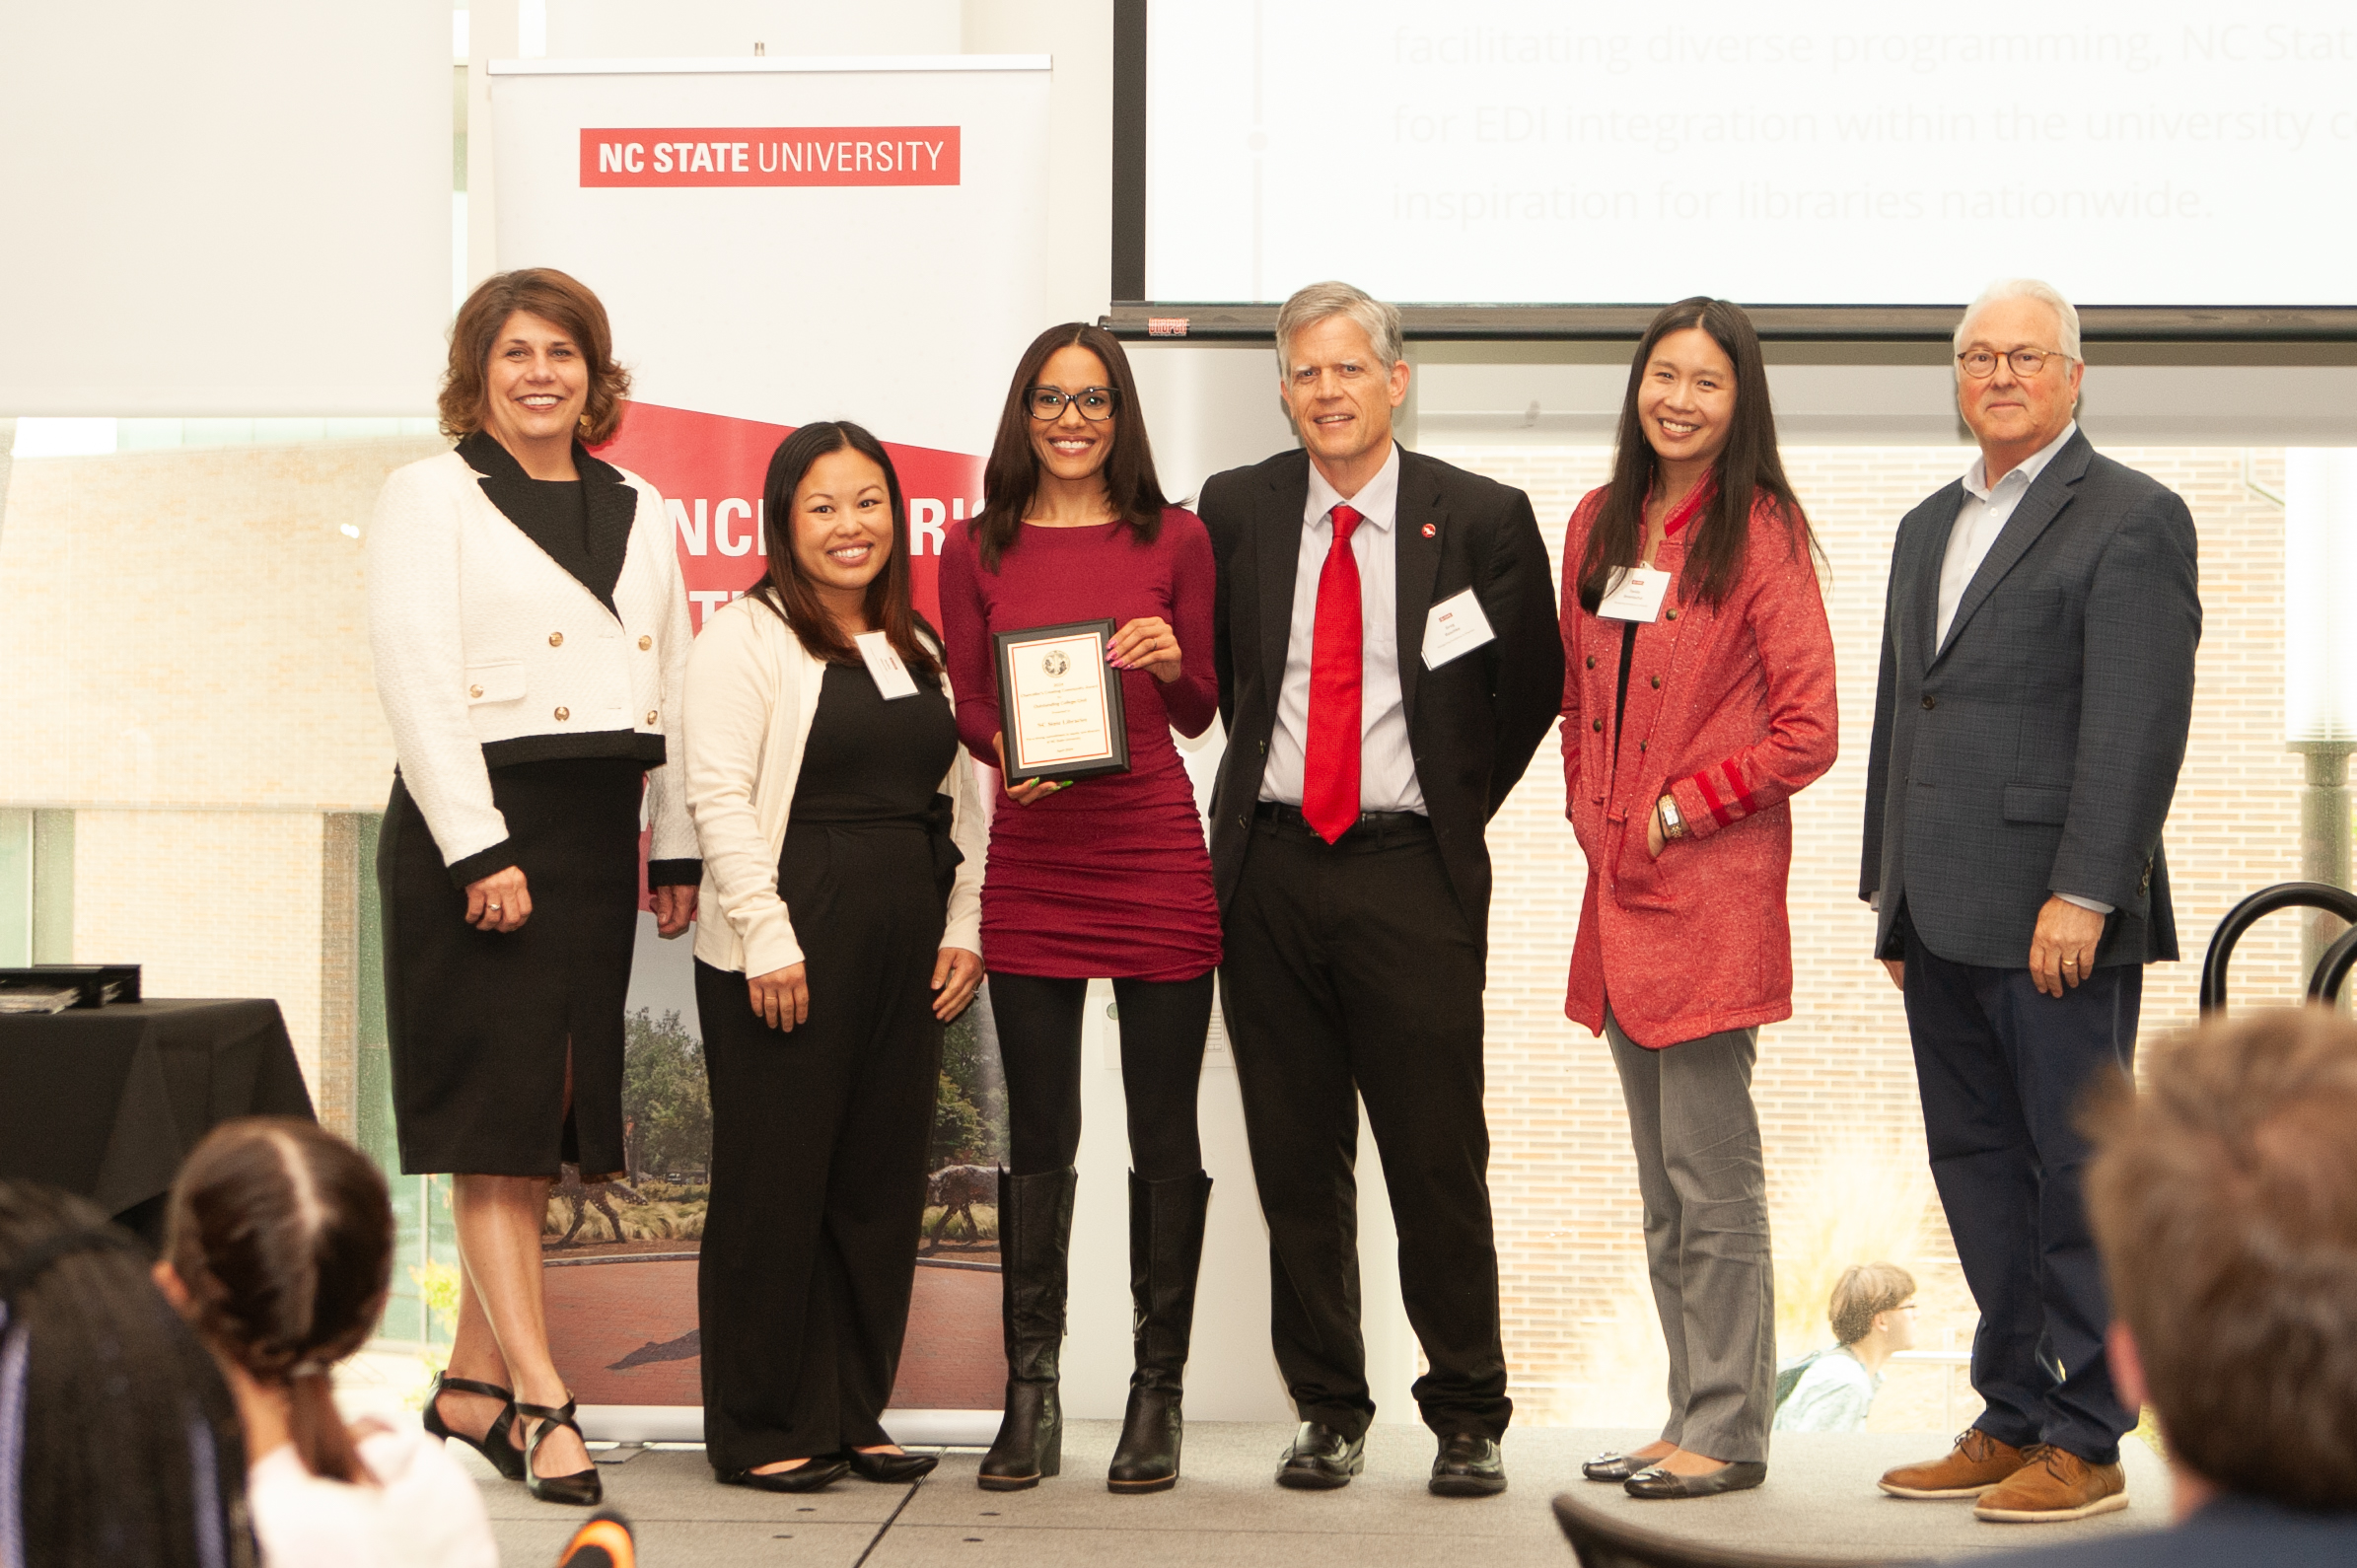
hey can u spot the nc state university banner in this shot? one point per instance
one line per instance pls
(776, 242)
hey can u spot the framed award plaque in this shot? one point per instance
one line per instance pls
(1059, 703)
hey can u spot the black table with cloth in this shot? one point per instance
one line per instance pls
(108, 1101)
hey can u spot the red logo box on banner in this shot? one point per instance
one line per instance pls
(774, 155)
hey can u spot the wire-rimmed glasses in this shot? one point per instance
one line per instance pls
(1982, 363)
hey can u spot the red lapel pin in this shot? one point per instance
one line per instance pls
(1431, 529)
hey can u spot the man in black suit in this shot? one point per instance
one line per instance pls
(2036, 687)
(2225, 1204)
(1389, 659)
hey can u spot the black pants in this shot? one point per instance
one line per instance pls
(1350, 973)
(2002, 1071)
(1164, 1023)
(818, 1152)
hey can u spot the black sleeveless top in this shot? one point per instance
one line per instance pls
(869, 762)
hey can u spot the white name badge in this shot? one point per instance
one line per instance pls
(892, 679)
(1455, 626)
(1636, 594)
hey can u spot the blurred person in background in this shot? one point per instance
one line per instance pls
(1697, 700)
(843, 841)
(1872, 1315)
(2036, 690)
(278, 1251)
(119, 1439)
(531, 637)
(2223, 1200)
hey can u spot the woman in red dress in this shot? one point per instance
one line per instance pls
(1105, 875)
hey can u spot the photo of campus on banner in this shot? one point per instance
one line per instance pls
(621, 1254)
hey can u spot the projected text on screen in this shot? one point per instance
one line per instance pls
(1817, 151)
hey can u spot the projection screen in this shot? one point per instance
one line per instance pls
(1818, 152)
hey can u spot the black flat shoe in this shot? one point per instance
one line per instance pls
(805, 1477)
(1738, 1475)
(1321, 1458)
(497, 1452)
(890, 1468)
(1467, 1465)
(580, 1489)
(1617, 1468)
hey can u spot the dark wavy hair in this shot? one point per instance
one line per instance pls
(891, 605)
(282, 1233)
(553, 296)
(1011, 478)
(119, 1440)
(1747, 468)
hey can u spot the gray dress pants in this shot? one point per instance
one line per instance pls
(1706, 1234)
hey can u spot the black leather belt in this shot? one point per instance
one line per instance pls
(1374, 822)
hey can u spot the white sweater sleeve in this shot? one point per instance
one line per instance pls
(970, 832)
(733, 697)
(667, 801)
(416, 634)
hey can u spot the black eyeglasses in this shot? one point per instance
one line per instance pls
(1096, 403)
(1982, 363)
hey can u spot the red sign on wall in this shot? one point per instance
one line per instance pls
(710, 469)
(744, 155)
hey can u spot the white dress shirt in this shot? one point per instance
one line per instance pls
(1985, 511)
(1386, 767)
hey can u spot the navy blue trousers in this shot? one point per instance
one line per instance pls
(2002, 1071)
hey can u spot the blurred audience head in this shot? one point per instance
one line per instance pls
(119, 1442)
(278, 1250)
(2224, 1198)
(1872, 1297)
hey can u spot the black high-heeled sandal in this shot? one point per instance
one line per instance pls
(582, 1488)
(500, 1454)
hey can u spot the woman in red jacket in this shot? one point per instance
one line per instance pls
(1698, 697)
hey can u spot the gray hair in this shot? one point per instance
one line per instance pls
(2065, 312)
(1310, 306)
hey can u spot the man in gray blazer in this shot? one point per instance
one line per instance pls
(2037, 684)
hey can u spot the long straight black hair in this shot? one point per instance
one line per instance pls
(891, 605)
(1748, 467)
(119, 1440)
(1011, 478)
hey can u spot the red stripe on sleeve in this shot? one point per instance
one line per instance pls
(1735, 780)
(1710, 798)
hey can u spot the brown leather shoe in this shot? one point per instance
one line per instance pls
(2053, 1488)
(1977, 1462)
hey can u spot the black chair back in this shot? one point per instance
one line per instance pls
(1600, 1540)
(2331, 970)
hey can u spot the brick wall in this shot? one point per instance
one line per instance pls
(1835, 1085)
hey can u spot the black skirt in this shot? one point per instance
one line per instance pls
(481, 1024)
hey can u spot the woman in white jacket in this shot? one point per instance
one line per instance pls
(531, 638)
(842, 845)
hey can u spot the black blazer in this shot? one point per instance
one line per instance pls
(2035, 750)
(1471, 724)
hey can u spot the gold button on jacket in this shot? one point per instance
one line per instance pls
(563, 714)
(475, 691)
(556, 639)
(651, 715)
(644, 643)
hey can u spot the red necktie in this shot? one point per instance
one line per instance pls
(1329, 793)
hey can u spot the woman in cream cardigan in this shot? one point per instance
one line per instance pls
(842, 841)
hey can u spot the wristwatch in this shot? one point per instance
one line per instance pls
(1674, 823)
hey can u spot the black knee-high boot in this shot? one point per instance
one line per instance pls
(1035, 1245)
(1166, 1253)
